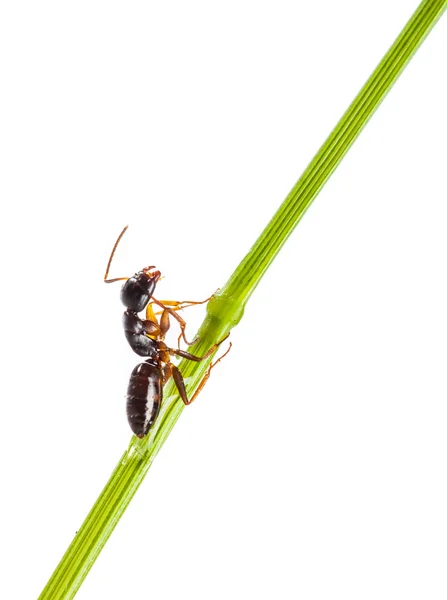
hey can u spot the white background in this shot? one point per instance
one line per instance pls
(314, 464)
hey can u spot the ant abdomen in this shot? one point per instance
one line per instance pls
(144, 397)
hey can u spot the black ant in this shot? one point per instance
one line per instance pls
(145, 390)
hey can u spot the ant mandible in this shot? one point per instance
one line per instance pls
(146, 338)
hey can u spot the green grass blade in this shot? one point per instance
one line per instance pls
(226, 309)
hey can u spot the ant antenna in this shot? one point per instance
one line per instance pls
(111, 258)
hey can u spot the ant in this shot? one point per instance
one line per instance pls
(146, 338)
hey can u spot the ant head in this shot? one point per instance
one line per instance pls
(150, 274)
(138, 290)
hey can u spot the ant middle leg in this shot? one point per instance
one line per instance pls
(170, 308)
(162, 326)
(180, 384)
(170, 311)
(189, 356)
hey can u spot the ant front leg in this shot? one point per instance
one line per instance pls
(181, 304)
(160, 329)
(153, 327)
(179, 382)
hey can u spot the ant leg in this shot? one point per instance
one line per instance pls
(164, 322)
(151, 326)
(179, 382)
(181, 321)
(170, 306)
(166, 373)
(152, 329)
(195, 358)
(177, 304)
(164, 319)
(150, 315)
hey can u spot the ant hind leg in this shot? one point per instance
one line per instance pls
(179, 382)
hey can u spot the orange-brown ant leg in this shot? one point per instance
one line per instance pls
(179, 382)
(151, 329)
(166, 373)
(178, 304)
(193, 357)
(150, 315)
(207, 375)
(164, 322)
(151, 326)
(181, 321)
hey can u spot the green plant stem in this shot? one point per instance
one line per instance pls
(225, 310)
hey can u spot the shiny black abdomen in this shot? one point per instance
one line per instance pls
(144, 397)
